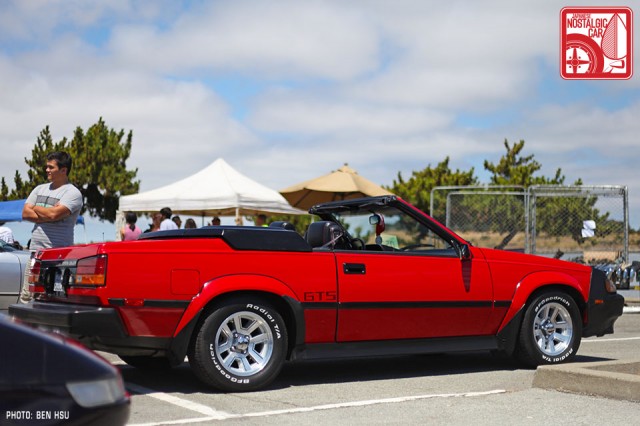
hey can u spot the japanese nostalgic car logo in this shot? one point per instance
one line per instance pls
(596, 43)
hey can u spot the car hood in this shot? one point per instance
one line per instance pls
(495, 256)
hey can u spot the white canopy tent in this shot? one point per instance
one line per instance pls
(217, 190)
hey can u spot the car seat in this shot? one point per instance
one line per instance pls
(324, 234)
(282, 224)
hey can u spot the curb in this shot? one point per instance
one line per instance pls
(610, 379)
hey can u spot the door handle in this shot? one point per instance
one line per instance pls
(354, 268)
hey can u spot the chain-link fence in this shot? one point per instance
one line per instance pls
(581, 223)
(493, 217)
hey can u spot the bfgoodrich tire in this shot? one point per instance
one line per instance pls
(240, 346)
(551, 330)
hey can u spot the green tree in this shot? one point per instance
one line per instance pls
(417, 189)
(99, 167)
(36, 173)
(505, 214)
(555, 216)
(4, 190)
(514, 169)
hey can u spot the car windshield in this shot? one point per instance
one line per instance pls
(390, 228)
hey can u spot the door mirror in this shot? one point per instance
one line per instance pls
(463, 251)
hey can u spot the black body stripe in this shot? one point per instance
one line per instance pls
(148, 303)
(408, 305)
(320, 305)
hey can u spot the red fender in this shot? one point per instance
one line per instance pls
(228, 284)
(536, 280)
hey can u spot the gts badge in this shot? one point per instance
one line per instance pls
(321, 296)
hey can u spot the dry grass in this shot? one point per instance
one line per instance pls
(551, 244)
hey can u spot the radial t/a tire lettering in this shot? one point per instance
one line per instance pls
(240, 346)
(551, 330)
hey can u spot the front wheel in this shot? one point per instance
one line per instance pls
(240, 346)
(551, 330)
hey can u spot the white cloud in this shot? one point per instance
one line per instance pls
(321, 117)
(39, 22)
(174, 122)
(273, 39)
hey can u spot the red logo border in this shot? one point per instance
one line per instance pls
(563, 40)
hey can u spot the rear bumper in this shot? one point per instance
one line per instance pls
(99, 328)
(73, 320)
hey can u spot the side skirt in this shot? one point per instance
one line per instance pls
(394, 347)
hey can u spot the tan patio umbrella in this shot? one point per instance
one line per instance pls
(342, 184)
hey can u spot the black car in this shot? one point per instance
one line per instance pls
(46, 379)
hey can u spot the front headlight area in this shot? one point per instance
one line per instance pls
(98, 393)
(609, 286)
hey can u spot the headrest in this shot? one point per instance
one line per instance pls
(282, 224)
(322, 233)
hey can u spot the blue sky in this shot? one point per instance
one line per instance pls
(288, 90)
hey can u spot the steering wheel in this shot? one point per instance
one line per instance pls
(415, 246)
(357, 244)
(349, 242)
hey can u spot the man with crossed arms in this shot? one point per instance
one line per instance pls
(53, 208)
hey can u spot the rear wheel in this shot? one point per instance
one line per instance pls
(551, 330)
(240, 346)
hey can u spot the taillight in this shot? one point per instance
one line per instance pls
(91, 270)
(34, 271)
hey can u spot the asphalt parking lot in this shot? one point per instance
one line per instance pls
(467, 388)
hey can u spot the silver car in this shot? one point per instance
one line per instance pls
(13, 263)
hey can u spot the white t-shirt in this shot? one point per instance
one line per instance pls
(59, 233)
(6, 234)
(168, 225)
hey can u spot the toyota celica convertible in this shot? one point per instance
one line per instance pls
(370, 277)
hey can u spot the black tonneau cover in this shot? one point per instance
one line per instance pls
(239, 237)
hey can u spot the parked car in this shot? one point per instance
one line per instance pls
(373, 276)
(623, 277)
(51, 380)
(13, 263)
(633, 277)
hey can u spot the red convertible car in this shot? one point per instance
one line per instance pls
(373, 276)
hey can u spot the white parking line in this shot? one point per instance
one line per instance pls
(221, 415)
(212, 413)
(597, 340)
(370, 402)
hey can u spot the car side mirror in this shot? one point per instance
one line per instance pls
(463, 251)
